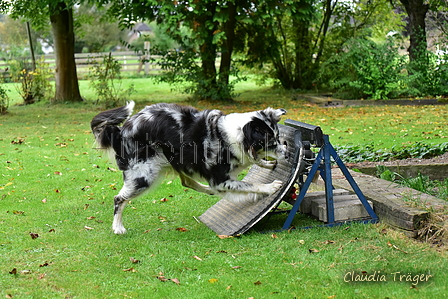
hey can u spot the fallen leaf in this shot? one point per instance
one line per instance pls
(212, 280)
(313, 250)
(236, 267)
(91, 217)
(302, 242)
(86, 206)
(175, 280)
(162, 278)
(57, 191)
(181, 229)
(88, 227)
(228, 287)
(8, 296)
(57, 173)
(329, 242)
(13, 271)
(51, 230)
(395, 247)
(112, 169)
(274, 236)
(164, 199)
(384, 231)
(224, 236)
(34, 236)
(257, 283)
(44, 200)
(25, 272)
(197, 257)
(129, 270)
(42, 276)
(331, 297)
(44, 264)
(134, 261)
(18, 212)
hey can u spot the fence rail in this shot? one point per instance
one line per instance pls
(130, 62)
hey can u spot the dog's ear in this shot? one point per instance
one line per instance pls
(253, 134)
(275, 114)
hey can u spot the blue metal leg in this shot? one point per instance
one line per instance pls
(302, 193)
(353, 184)
(327, 151)
(328, 180)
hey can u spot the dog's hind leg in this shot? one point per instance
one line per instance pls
(190, 183)
(135, 183)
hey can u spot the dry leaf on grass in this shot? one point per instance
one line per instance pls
(129, 270)
(224, 236)
(34, 236)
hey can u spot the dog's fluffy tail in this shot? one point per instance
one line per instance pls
(105, 125)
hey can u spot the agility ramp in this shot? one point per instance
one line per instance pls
(232, 219)
(229, 218)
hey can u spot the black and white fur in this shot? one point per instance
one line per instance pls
(198, 145)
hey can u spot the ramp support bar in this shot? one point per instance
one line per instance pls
(326, 151)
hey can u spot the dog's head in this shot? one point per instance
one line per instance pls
(261, 136)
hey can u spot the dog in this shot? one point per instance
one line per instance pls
(207, 146)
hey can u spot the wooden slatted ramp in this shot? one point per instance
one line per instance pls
(231, 219)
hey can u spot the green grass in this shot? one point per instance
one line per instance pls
(54, 184)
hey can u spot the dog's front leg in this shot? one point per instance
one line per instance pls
(248, 187)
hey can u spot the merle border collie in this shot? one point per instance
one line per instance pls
(206, 146)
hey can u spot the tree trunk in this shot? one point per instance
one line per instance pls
(416, 10)
(67, 88)
(207, 85)
(227, 48)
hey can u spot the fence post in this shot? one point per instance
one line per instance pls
(147, 55)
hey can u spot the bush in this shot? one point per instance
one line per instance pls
(4, 101)
(34, 85)
(365, 70)
(428, 76)
(105, 78)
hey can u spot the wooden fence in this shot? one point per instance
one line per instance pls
(130, 62)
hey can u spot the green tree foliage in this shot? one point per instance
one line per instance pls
(209, 28)
(60, 14)
(95, 31)
(295, 37)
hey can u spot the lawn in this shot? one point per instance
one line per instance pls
(56, 204)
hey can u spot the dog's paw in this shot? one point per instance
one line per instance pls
(271, 164)
(274, 186)
(118, 229)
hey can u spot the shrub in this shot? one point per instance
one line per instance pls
(105, 78)
(4, 101)
(428, 76)
(365, 70)
(34, 85)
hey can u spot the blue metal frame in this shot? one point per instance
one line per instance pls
(325, 152)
